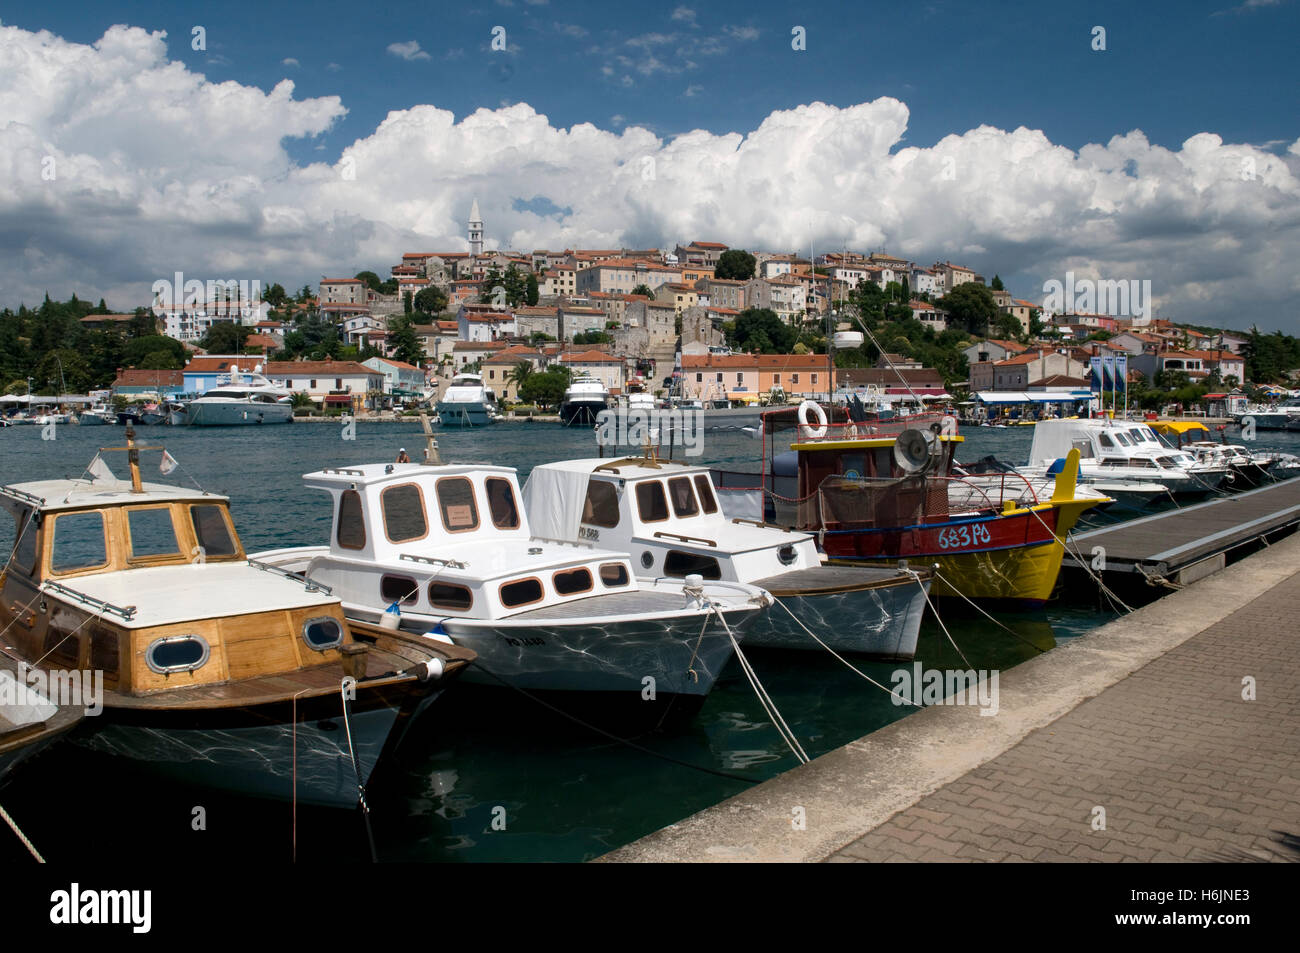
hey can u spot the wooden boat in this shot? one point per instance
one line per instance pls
(870, 501)
(624, 505)
(217, 669)
(31, 715)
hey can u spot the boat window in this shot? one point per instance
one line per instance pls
(444, 595)
(651, 502)
(211, 531)
(1124, 440)
(78, 542)
(456, 500)
(572, 582)
(601, 506)
(679, 488)
(501, 503)
(177, 653)
(613, 575)
(678, 563)
(25, 554)
(704, 486)
(1106, 441)
(403, 508)
(521, 592)
(322, 633)
(1141, 462)
(352, 526)
(152, 533)
(401, 589)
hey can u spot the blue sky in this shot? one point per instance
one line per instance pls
(1171, 69)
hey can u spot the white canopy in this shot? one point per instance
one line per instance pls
(37, 399)
(554, 496)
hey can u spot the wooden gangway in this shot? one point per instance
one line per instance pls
(1184, 544)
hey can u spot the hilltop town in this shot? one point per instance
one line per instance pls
(701, 320)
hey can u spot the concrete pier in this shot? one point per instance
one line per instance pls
(1140, 725)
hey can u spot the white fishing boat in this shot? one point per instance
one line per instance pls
(584, 399)
(1119, 452)
(665, 517)
(449, 550)
(240, 399)
(468, 403)
(97, 415)
(212, 667)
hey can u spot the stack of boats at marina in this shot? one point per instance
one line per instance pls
(212, 667)
(1128, 460)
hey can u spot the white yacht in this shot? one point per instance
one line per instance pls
(96, 415)
(467, 402)
(584, 399)
(1118, 452)
(448, 551)
(666, 518)
(240, 399)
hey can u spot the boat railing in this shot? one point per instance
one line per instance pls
(561, 542)
(433, 561)
(884, 428)
(22, 495)
(310, 584)
(126, 612)
(685, 539)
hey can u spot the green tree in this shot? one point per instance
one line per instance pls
(224, 337)
(403, 341)
(431, 300)
(644, 289)
(275, 295)
(997, 284)
(546, 389)
(520, 373)
(762, 330)
(735, 264)
(531, 293)
(971, 306)
(372, 280)
(160, 360)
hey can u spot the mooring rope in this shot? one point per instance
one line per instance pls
(981, 610)
(356, 767)
(917, 576)
(764, 699)
(853, 668)
(13, 826)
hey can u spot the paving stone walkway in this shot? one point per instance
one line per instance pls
(1183, 767)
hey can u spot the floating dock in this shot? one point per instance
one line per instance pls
(1166, 735)
(1183, 545)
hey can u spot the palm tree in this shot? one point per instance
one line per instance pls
(522, 371)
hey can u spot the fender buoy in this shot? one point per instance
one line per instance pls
(810, 432)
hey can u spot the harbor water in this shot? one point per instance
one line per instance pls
(489, 774)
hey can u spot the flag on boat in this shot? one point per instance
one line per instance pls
(99, 470)
(167, 464)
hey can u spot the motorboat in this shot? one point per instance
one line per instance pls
(877, 491)
(448, 549)
(215, 668)
(239, 399)
(1115, 451)
(468, 403)
(96, 415)
(665, 517)
(584, 399)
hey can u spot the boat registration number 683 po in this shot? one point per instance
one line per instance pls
(959, 537)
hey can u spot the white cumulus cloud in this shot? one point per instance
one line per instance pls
(410, 50)
(157, 169)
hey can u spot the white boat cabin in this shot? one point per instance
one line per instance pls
(446, 541)
(1105, 444)
(665, 515)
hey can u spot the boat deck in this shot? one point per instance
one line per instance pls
(1184, 544)
(825, 579)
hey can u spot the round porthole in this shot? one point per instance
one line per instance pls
(647, 559)
(322, 633)
(786, 554)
